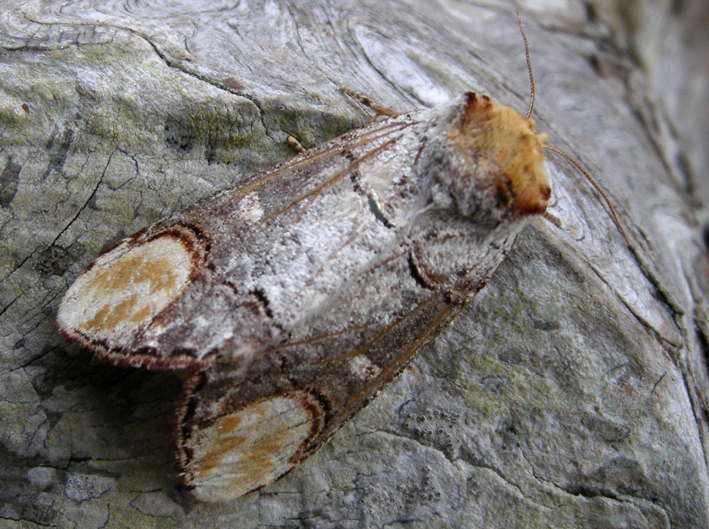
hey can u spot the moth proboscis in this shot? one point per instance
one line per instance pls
(269, 294)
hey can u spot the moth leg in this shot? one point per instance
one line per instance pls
(366, 101)
(556, 221)
(297, 146)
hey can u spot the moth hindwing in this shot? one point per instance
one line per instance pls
(294, 297)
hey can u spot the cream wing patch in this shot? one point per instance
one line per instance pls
(126, 288)
(362, 367)
(252, 447)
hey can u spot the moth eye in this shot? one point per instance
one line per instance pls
(126, 288)
(251, 447)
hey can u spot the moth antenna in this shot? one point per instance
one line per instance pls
(596, 186)
(379, 110)
(529, 65)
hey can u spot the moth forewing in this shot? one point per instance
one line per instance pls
(125, 308)
(304, 290)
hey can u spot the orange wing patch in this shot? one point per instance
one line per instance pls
(251, 447)
(126, 288)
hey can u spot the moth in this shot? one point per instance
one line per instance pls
(291, 299)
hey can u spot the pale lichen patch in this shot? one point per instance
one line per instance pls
(126, 288)
(251, 447)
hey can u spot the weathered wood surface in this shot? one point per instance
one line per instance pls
(571, 393)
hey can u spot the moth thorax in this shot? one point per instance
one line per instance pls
(251, 447)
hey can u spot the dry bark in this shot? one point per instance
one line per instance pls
(571, 393)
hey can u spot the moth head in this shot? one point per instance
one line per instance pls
(501, 151)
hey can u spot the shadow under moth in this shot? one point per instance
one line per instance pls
(291, 299)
